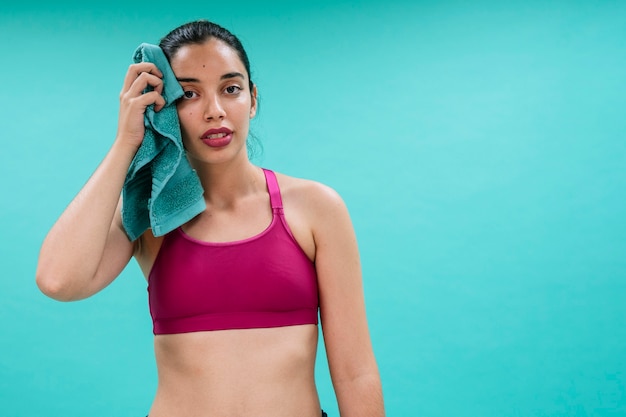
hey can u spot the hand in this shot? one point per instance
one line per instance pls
(133, 101)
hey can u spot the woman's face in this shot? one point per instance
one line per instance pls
(217, 104)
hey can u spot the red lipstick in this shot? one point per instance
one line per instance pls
(217, 138)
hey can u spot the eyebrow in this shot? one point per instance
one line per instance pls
(226, 76)
(232, 75)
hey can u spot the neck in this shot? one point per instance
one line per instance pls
(225, 183)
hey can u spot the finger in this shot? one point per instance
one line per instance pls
(148, 67)
(152, 97)
(132, 76)
(142, 82)
(135, 71)
(159, 103)
(151, 69)
(137, 104)
(134, 108)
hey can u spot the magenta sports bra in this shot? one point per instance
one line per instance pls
(263, 281)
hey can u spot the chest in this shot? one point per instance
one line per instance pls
(265, 273)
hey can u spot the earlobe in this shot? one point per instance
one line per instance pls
(253, 107)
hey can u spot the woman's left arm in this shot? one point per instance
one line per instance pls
(351, 360)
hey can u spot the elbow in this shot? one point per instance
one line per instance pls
(53, 286)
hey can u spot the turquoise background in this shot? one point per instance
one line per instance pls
(480, 147)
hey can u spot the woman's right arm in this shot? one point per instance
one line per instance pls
(87, 247)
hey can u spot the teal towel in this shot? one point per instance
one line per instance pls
(161, 190)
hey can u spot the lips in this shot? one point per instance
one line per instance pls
(217, 138)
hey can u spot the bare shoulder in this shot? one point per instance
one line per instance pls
(317, 215)
(311, 196)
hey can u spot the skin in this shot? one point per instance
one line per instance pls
(249, 372)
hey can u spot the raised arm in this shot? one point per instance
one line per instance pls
(87, 246)
(353, 368)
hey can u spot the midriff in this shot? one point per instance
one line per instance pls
(266, 372)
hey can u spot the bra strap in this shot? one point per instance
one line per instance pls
(272, 186)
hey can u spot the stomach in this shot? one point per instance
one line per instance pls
(265, 372)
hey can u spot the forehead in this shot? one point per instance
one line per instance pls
(212, 57)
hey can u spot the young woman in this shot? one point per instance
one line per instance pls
(235, 292)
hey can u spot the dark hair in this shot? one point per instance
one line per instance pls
(198, 32)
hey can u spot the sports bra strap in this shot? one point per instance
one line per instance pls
(272, 186)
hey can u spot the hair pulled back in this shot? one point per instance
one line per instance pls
(198, 32)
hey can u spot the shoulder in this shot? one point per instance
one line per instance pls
(311, 194)
(317, 207)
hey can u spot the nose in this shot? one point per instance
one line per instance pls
(213, 109)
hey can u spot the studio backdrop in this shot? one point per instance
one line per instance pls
(481, 150)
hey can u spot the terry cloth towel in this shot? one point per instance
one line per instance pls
(161, 190)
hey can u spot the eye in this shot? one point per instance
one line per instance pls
(232, 89)
(189, 94)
